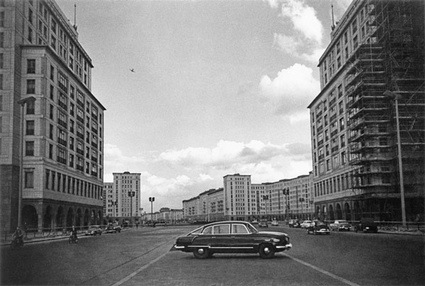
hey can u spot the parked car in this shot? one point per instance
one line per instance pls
(306, 224)
(344, 227)
(335, 225)
(254, 221)
(94, 230)
(112, 229)
(294, 223)
(232, 237)
(318, 228)
(367, 225)
(263, 223)
(275, 223)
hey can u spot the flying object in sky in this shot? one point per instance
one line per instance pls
(132, 70)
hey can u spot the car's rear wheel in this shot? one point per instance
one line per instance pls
(201, 253)
(266, 250)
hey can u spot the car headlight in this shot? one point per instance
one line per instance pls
(274, 240)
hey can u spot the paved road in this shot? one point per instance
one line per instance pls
(142, 257)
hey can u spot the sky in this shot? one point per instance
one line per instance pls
(218, 88)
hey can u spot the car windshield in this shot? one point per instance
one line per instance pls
(322, 225)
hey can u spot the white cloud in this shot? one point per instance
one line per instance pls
(116, 161)
(273, 3)
(304, 19)
(224, 155)
(294, 46)
(291, 91)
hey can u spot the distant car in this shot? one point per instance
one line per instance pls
(232, 237)
(294, 223)
(335, 225)
(263, 223)
(306, 224)
(344, 227)
(319, 228)
(275, 223)
(112, 229)
(254, 221)
(367, 225)
(94, 230)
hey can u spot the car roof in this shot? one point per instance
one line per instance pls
(226, 222)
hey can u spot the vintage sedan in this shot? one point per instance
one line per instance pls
(318, 228)
(232, 237)
(335, 225)
(94, 230)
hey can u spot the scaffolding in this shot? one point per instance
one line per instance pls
(391, 58)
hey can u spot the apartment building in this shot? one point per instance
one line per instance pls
(238, 199)
(123, 199)
(241, 200)
(51, 125)
(376, 50)
(108, 201)
(207, 206)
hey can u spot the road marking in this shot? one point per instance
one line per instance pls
(125, 279)
(323, 271)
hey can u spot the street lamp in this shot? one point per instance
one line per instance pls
(131, 195)
(152, 199)
(22, 102)
(396, 97)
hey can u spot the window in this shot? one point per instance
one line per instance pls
(239, 229)
(29, 148)
(30, 86)
(30, 106)
(30, 127)
(29, 178)
(222, 229)
(51, 131)
(30, 66)
(52, 73)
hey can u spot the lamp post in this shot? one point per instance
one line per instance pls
(396, 97)
(152, 199)
(131, 195)
(22, 102)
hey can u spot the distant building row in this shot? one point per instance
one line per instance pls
(241, 200)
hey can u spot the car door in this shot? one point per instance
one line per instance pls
(241, 237)
(221, 236)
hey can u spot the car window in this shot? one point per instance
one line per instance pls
(222, 229)
(239, 229)
(207, 230)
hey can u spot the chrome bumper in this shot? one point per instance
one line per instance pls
(284, 247)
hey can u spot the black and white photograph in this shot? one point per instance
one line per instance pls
(212, 142)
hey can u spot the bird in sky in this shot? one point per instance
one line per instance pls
(132, 70)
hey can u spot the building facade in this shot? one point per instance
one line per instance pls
(376, 50)
(51, 125)
(123, 197)
(207, 206)
(241, 200)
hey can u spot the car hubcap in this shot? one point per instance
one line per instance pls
(266, 250)
(201, 251)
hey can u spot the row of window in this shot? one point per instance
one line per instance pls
(59, 182)
(58, 40)
(333, 62)
(333, 185)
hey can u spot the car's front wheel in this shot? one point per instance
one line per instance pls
(266, 250)
(201, 253)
